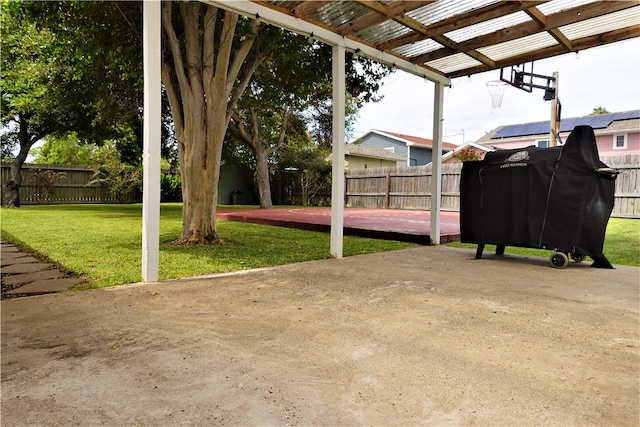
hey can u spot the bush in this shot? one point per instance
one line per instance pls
(46, 181)
(468, 155)
(170, 188)
(119, 179)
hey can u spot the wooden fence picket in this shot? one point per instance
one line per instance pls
(74, 188)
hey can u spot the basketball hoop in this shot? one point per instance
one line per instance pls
(496, 89)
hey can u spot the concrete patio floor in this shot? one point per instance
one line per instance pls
(425, 336)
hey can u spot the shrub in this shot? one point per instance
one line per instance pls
(118, 178)
(467, 155)
(170, 188)
(46, 181)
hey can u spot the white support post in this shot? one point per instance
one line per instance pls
(436, 164)
(337, 168)
(151, 150)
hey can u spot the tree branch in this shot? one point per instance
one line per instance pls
(175, 102)
(208, 48)
(192, 45)
(174, 46)
(224, 47)
(252, 63)
(238, 128)
(241, 55)
(255, 125)
(283, 131)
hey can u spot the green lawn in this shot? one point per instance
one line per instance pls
(621, 243)
(103, 242)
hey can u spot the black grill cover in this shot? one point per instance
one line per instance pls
(550, 198)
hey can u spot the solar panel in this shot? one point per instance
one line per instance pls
(598, 121)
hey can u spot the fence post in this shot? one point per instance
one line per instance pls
(387, 196)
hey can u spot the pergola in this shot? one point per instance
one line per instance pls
(434, 39)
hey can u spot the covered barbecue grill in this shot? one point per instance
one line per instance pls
(557, 198)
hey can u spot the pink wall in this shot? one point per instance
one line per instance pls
(605, 144)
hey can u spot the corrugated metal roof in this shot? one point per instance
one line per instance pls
(443, 9)
(383, 31)
(462, 37)
(418, 48)
(602, 24)
(556, 6)
(523, 45)
(487, 27)
(452, 63)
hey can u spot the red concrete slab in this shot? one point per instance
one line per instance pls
(392, 224)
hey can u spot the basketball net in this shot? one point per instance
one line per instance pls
(496, 90)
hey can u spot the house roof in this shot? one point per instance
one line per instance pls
(371, 152)
(625, 120)
(406, 139)
(466, 146)
(453, 38)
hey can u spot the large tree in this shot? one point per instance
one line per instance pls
(67, 67)
(280, 88)
(208, 59)
(295, 83)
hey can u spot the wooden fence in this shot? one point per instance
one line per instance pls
(410, 187)
(74, 188)
(402, 188)
(627, 193)
(393, 188)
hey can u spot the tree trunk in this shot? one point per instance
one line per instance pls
(200, 169)
(204, 77)
(261, 150)
(12, 193)
(262, 176)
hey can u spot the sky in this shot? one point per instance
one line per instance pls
(607, 76)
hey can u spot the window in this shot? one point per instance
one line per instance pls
(620, 141)
(542, 143)
(392, 149)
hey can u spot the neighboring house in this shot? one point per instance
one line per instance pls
(479, 149)
(414, 150)
(616, 133)
(362, 157)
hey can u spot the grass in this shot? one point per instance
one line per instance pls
(621, 243)
(103, 242)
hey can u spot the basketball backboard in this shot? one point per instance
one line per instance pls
(522, 77)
